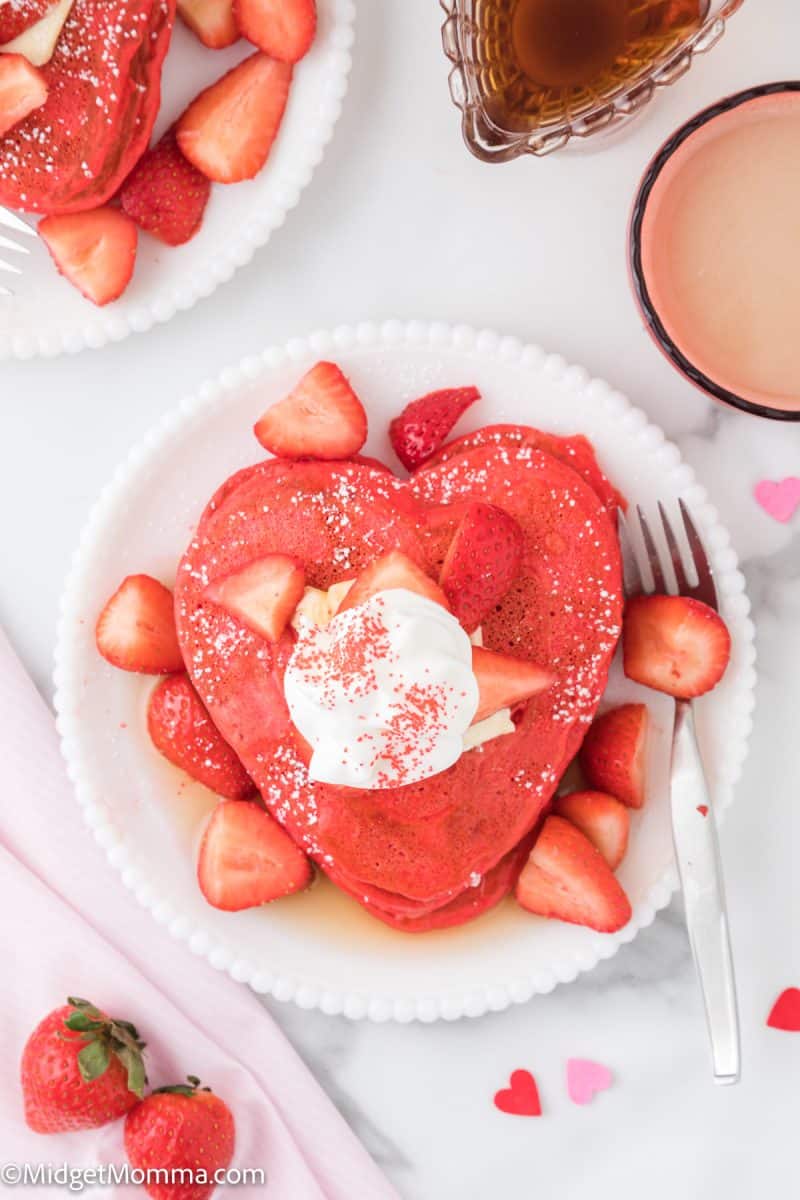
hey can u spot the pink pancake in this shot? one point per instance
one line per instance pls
(576, 451)
(104, 92)
(422, 855)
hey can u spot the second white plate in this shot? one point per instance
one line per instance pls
(47, 316)
(321, 949)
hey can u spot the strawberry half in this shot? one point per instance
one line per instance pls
(504, 681)
(424, 424)
(674, 644)
(247, 859)
(392, 570)
(613, 754)
(228, 131)
(165, 194)
(212, 21)
(322, 417)
(263, 595)
(23, 89)
(95, 251)
(181, 729)
(80, 1069)
(136, 629)
(604, 820)
(283, 29)
(567, 878)
(482, 562)
(177, 1134)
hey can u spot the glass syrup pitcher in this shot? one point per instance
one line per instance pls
(529, 75)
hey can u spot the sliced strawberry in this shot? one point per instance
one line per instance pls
(22, 90)
(424, 424)
(212, 21)
(229, 129)
(674, 644)
(18, 15)
(246, 858)
(165, 194)
(322, 417)
(263, 595)
(136, 629)
(601, 818)
(95, 251)
(567, 878)
(283, 29)
(613, 753)
(182, 730)
(504, 681)
(482, 562)
(392, 570)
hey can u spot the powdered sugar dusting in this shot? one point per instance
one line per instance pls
(103, 82)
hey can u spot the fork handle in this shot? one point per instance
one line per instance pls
(697, 851)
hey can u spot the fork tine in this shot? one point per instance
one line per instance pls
(706, 588)
(659, 582)
(11, 221)
(631, 574)
(7, 244)
(4, 266)
(674, 552)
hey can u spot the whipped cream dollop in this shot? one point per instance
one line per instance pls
(383, 693)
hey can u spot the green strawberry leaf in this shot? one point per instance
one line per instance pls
(131, 1029)
(131, 1060)
(84, 1005)
(81, 1023)
(183, 1089)
(93, 1060)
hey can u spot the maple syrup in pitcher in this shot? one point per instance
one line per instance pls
(546, 60)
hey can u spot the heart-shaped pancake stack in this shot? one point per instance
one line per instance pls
(441, 851)
(104, 91)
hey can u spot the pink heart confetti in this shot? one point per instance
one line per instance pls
(780, 500)
(585, 1079)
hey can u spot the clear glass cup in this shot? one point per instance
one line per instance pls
(474, 35)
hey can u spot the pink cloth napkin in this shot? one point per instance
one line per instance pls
(70, 928)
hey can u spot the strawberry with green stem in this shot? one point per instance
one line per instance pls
(81, 1069)
(184, 1128)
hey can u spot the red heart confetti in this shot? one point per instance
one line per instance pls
(786, 1011)
(703, 810)
(522, 1098)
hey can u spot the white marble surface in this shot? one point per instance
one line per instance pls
(400, 221)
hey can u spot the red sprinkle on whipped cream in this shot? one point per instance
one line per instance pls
(384, 693)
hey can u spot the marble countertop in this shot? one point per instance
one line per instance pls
(401, 221)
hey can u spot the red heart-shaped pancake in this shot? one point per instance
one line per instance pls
(19, 15)
(521, 1099)
(441, 851)
(104, 92)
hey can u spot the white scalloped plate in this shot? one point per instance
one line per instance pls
(321, 949)
(47, 316)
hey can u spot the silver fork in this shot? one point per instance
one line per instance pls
(694, 828)
(10, 221)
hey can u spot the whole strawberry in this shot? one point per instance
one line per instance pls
(181, 1128)
(80, 1069)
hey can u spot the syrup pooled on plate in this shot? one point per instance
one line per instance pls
(544, 61)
